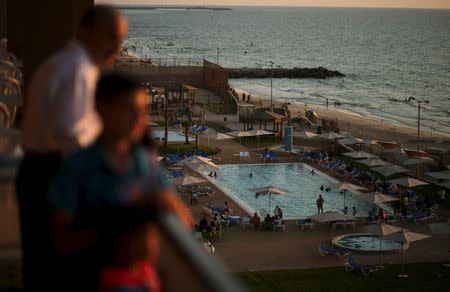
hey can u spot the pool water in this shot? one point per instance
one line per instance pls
(173, 135)
(367, 242)
(303, 186)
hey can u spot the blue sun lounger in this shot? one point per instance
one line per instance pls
(352, 265)
(328, 250)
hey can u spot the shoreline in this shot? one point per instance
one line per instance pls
(361, 126)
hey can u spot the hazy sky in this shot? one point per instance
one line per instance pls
(333, 3)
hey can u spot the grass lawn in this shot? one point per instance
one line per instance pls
(422, 277)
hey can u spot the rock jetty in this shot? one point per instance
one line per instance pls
(319, 73)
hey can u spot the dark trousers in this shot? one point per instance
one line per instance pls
(33, 179)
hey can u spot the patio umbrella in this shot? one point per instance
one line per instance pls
(350, 141)
(373, 162)
(219, 136)
(330, 216)
(305, 135)
(408, 182)
(445, 175)
(193, 159)
(390, 169)
(418, 160)
(359, 155)
(240, 134)
(269, 190)
(189, 180)
(377, 198)
(369, 142)
(382, 230)
(330, 136)
(405, 237)
(199, 167)
(350, 187)
(258, 133)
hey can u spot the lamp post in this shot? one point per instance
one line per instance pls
(419, 104)
(271, 85)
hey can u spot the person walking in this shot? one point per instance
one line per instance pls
(319, 202)
(60, 118)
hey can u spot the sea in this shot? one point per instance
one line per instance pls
(387, 54)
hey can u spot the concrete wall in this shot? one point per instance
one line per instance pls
(168, 75)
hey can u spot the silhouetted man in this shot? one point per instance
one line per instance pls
(59, 119)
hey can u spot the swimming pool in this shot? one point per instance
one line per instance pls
(173, 135)
(303, 186)
(366, 242)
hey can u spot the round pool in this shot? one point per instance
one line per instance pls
(366, 242)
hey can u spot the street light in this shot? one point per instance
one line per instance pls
(419, 102)
(271, 85)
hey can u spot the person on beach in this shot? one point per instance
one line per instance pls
(354, 211)
(255, 221)
(107, 184)
(227, 209)
(59, 119)
(319, 202)
(321, 188)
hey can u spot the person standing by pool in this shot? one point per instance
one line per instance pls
(405, 202)
(319, 202)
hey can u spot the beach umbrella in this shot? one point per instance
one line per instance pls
(405, 237)
(444, 175)
(418, 160)
(269, 190)
(369, 142)
(305, 135)
(189, 180)
(258, 133)
(345, 186)
(330, 136)
(416, 153)
(390, 169)
(408, 182)
(219, 136)
(377, 198)
(373, 162)
(382, 230)
(349, 141)
(330, 216)
(359, 155)
(200, 167)
(240, 134)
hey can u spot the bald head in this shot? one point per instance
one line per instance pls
(102, 30)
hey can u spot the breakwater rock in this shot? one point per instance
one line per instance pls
(319, 73)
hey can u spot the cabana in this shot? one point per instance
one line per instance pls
(264, 117)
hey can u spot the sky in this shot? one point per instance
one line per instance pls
(316, 3)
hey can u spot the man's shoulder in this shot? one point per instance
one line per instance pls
(66, 59)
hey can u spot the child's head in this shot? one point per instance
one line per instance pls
(122, 105)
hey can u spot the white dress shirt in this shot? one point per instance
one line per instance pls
(60, 113)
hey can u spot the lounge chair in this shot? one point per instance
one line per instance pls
(244, 154)
(231, 219)
(278, 224)
(352, 265)
(305, 223)
(246, 222)
(328, 250)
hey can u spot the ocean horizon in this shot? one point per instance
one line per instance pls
(388, 54)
